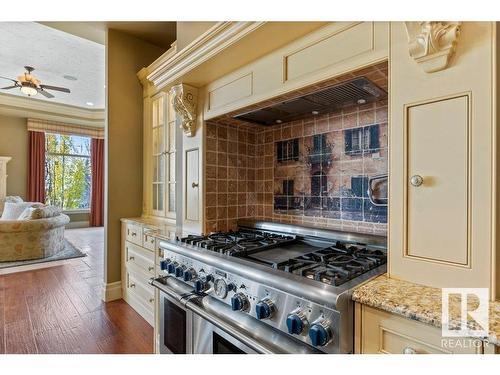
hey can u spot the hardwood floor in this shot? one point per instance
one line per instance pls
(59, 309)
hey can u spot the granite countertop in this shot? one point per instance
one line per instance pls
(419, 303)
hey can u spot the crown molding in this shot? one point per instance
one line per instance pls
(432, 44)
(170, 67)
(18, 106)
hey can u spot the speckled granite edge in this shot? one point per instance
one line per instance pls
(416, 302)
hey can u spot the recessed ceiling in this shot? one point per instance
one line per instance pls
(54, 54)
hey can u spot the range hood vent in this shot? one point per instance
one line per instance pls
(357, 91)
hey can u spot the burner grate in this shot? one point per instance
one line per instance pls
(332, 265)
(336, 264)
(239, 243)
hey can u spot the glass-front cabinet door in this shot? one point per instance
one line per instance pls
(163, 155)
(158, 151)
(170, 157)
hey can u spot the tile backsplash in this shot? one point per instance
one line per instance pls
(313, 171)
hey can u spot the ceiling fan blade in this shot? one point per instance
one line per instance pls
(9, 87)
(9, 79)
(46, 94)
(63, 89)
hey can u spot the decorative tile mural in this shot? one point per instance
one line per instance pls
(313, 171)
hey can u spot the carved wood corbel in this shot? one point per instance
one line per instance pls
(184, 100)
(432, 44)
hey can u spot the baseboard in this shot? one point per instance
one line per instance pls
(112, 291)
(77, 224)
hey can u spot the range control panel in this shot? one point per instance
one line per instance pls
(306, 321)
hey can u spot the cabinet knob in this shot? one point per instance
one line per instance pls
(132, 285)
(194, 185)
(409, 350)
(416, 180)
(131, 258)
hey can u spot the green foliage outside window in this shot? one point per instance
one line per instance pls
(67, 171)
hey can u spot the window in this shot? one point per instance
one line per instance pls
(359, 186)
(319, 144)
(319, 184)
(362, 139)
(287, 150)
(67, 171)
(288, 187)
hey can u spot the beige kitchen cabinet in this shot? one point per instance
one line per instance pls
(442, 161)
(491, 349)
(379, 332)
(159, 152)
(138, 266)
(331, 50)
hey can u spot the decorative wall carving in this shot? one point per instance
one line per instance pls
(432, 44)
(184, 100)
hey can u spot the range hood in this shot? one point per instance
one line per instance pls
(356, 91)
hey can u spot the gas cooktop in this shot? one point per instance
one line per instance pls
(333, 263)
(295, 279)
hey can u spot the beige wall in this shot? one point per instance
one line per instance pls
(189, 31)
(126, 55)
(14, 143)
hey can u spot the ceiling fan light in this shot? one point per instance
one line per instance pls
(28, 90)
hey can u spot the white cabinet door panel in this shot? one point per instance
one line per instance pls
(437, 150)
(192, 185)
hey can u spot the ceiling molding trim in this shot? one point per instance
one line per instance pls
(18, 106)
(168, 67)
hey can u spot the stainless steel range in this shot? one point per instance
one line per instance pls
(266, 288)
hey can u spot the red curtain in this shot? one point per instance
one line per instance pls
(36, 167)
(97, 194)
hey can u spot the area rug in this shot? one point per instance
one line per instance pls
(70, 251)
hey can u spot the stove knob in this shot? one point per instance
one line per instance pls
(201, 285)
(231, 287)
(164, 264)
(189, 274)
(172, 266)
(179, 271)
(296, 322)
(239, 302)
(264, 309)
(320, 333)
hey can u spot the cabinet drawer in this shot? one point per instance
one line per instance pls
(148, 242)
(133, 233)
(138, 257)
(139, 289)
(382, 332)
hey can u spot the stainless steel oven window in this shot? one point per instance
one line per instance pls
(207, 339)
(222, 346)
(175, 327)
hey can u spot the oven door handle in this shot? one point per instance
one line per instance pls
(172, 287)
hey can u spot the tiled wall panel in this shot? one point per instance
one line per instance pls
(323, 183)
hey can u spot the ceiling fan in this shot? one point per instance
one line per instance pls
(30, 85)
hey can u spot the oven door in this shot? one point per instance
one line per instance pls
(175, 326)
(209, 339)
